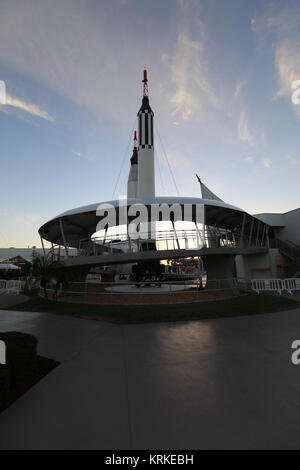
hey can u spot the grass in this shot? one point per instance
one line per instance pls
(250, 304)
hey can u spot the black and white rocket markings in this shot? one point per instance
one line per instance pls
(146, 138)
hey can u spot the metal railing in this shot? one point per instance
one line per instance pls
(177, 291)
(160, 240)
(137, 292)
(163, 240)
(290, 249)
(11, 286)
(289, 285)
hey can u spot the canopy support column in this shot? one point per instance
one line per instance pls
(242, 231)
(251, 232)
(63, 236)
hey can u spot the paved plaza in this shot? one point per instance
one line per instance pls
(221, 383)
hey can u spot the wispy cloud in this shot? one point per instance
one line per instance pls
(290, 158)
(49, 42)
(84, 155)
(243, 129)
(288, 68)
(189, 72)
(248, 159)
(189, 69)
(283, 30)
(267, 162)
(27, 107)
(239, 86)
(87, 68)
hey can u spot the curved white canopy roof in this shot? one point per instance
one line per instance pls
(81, 222)
(149, 201)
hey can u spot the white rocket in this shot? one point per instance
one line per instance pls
(141, 181)
(133, 173)
(146, 182)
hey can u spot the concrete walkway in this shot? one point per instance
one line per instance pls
(225, 383)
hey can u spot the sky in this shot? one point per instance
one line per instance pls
(220, 84)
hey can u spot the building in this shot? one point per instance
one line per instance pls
(229, 240)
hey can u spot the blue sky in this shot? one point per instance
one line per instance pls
(220, 75)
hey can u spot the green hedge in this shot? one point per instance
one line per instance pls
(24, 367)
(4, 386)
(21, 356)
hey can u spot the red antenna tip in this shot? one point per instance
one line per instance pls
(145, 82)
(134, 136)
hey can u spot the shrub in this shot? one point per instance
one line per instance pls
(21, 355)
(4, 386)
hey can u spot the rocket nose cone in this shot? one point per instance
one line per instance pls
(145, 105)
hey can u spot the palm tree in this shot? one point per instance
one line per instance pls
(45, 268)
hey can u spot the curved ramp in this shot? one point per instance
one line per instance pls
(124, 258)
